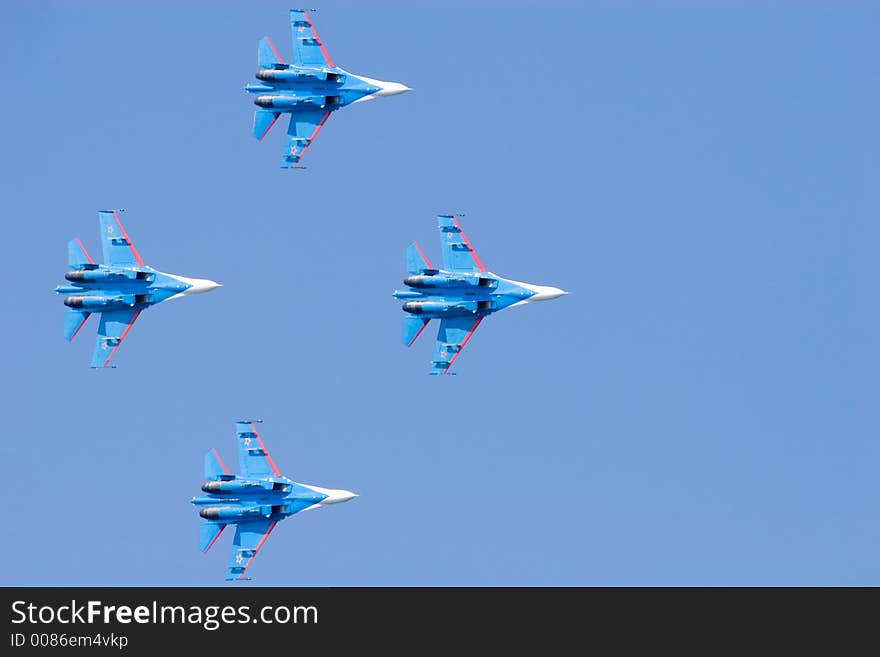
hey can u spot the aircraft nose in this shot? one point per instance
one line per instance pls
(337, 496)
(391, 89)
(199, 285)
(545, 293)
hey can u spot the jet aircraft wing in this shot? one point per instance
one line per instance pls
(118, 249)
(249, 538)
(304, 127)
(308, 50)
(253, 459)
(112, 329)
(458, 254)
(453, 335)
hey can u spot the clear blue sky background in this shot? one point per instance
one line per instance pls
(701, 410)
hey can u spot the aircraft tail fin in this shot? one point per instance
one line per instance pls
(263, 122)
(416, 262)
(209, 532)
(412, 329)
(73, 322)
(77, 256)
(214, 467)
(267, 55)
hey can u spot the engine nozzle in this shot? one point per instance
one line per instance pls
(227, 513)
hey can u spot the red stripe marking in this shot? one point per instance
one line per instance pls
(272, 46)
(220, 461)
(122, 337)
(468, 245)
(419, 332)
(463, 343)
(257, 549)
(216, 536)
(263, 447)
(424, 257)
(320, 43)
(266, 131)
(137, 256)
(85, 253)
(318, 127)
(85, 317)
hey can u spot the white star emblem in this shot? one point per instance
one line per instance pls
(443, 353)
(109, 229)
(104, 346)
(247, 441)
(238, 559)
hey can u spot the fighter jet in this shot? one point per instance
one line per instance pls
(308, 89)
(119, 289)
(460, 294)
(254, 501)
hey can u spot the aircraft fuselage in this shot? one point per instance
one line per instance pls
(102, 288)
(237, 499)
(458, 294)
(296, 87)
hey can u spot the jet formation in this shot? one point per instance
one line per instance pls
(460, 294)
(309, 89)
(119, 289)
(254, 501)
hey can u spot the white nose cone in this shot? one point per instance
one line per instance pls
(385, 88)
(339, 495)
(200, 285)
(391, 89)
(197, 285)
(544, 293)
(334, 495)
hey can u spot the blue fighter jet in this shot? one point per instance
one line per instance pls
(309, 89)
(254, 501)
(119, 289)
(460, 294)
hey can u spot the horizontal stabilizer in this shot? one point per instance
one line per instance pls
(77, 256)
(214, 467)
(416, 261)
(412, 328)
(73, 322)
(263, 122)
(209, 532)
(267, 55)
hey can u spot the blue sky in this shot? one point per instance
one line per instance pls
(701, 410)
